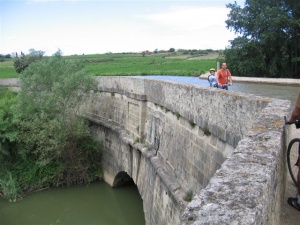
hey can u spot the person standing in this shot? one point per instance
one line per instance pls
(212, 78)
(295, 201)
(224, 78)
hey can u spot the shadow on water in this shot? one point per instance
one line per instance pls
(96, 203)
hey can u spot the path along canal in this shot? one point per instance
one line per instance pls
(97, 203)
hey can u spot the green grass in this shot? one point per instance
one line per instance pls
(154, 64)
(7, 69)
(129, 64)
(7, 72)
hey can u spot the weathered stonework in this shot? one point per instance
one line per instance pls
(172, 138)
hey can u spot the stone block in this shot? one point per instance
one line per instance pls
(222, 134)
(213, 140)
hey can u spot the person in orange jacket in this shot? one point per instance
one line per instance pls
(224, 78)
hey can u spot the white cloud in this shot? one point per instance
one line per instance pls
(188, 18)
(201, 27)
(179, 26)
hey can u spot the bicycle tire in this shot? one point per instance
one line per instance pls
(292, 155)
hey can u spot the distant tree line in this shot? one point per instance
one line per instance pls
(7, 56)
(3, 57)
(195, 51)
(268, 38)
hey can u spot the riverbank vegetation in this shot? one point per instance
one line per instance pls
(43, 141)
(181, 62)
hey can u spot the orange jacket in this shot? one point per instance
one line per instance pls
(222, 76)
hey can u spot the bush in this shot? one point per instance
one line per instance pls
(51, 92)
(43, 140)
(9, 187)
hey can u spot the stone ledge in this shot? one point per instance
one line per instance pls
(248, 186)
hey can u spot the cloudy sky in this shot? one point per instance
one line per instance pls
(98, 26)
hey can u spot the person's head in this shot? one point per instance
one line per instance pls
(224, 65)
(212, 71)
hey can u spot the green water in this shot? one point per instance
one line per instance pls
(94, 204)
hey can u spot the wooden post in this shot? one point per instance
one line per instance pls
(218, 65)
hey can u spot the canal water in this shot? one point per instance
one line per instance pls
(93, 204)
(288, 92)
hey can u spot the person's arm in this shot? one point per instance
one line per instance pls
(296, 112)
(230, 77)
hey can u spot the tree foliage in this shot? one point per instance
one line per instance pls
(22, 62)
(52, 91)
(8, 130)
(43, 139)
(267, 43)
(8, 143)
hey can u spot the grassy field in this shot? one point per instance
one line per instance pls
(129, 64)
(7, 69)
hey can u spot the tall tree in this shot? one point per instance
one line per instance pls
(266, 44)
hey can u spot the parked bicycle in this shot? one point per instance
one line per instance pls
(293, 152)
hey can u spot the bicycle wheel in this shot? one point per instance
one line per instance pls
(292, 156)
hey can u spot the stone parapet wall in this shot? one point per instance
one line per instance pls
(186, 152)
(247, 189)
(227, 115)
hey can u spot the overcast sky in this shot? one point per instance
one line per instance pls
(98, 26)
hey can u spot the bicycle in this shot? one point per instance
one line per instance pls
(293, 152)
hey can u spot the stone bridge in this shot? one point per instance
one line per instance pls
(224, 151)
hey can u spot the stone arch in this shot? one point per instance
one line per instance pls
(122, 178)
